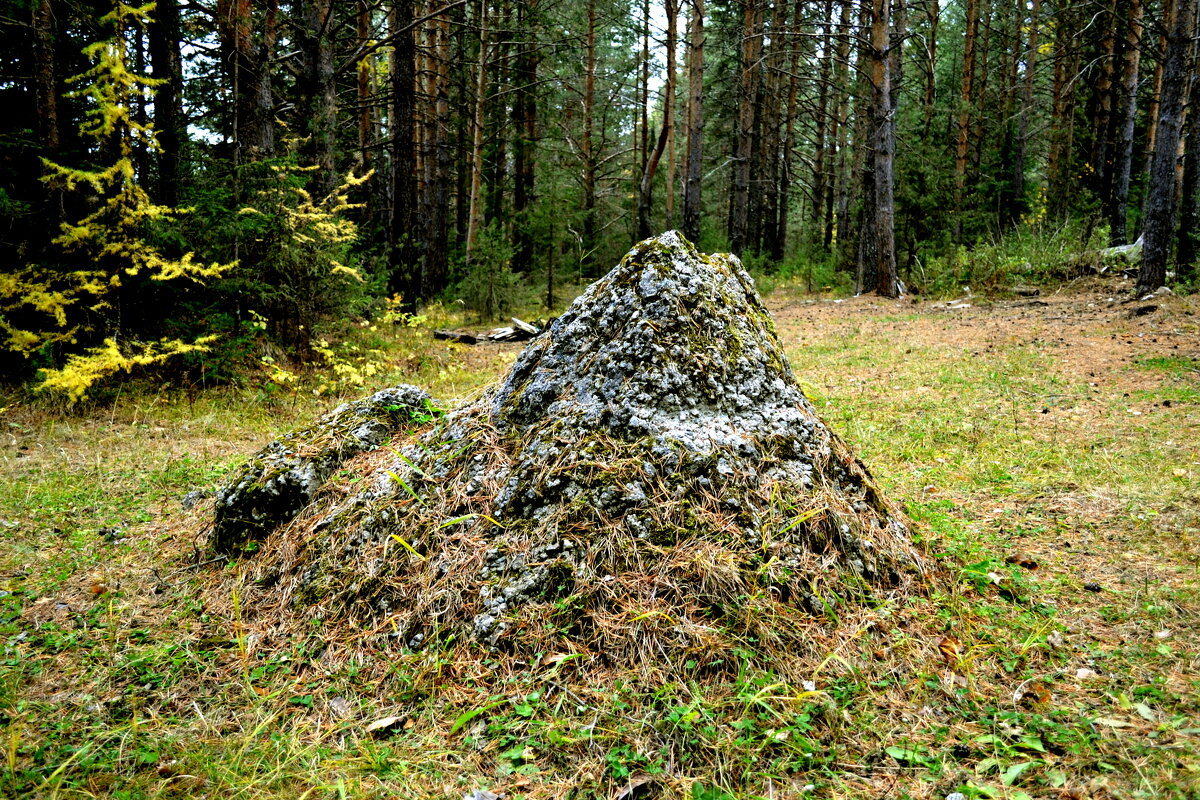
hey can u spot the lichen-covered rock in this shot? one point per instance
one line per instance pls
(648, 480)
(280, 480)
(674, 351)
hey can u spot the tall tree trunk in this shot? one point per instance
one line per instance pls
(1105, 94)
(695, 132)
(966, 99)
(436, 214)
(864, 154)
(475, 215)
(247, 54)
(644, 91)
(164, 37)
(45, 81)
(672, 10)
(1156, 88)
(983, 50)
(838, 198)
(363, 88)
(1160, 196)
(789, 137)
(402, 234)
(496, 115)
(1021, 206)
(463, 134)
(525, 135)
(368, 122)
(739, 201)
(822, 120)
(884, 57)
(1188, 248)
(772, 106)
(587, 146)
(261, 136)
(318, 92)
(1127, 119)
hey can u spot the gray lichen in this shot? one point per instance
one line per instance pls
(652, 450)
(280, 480)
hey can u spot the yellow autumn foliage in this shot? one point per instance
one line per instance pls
(41, 305)
(84, 370)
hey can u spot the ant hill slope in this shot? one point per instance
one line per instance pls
(648, 484)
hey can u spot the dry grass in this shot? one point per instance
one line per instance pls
(1008, 429)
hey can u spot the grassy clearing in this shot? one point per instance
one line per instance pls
(1050, 459)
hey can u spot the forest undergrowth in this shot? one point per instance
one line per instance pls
(1046, 448)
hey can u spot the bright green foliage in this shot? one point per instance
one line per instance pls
(41, 305)
(488, 284)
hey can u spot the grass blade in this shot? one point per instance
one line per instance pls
(467, 716)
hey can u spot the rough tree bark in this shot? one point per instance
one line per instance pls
(46, 85)
(695, 132)
(1188, 248)
(587, 146)
(318, 92)
(644, 89)
(838, 197)
(1062, 118)
(402, 125)
(525, 136)
(822, 121)
(247, 55)
(877, 259)
(764, 214)
(475, 215)
(366, 130)
(739, 193)
(1106, 88)
(164, 36)
(672, 10)
(1160, 196)
(789, 139)
(1127, 119)
(966, 99)
(434, 220)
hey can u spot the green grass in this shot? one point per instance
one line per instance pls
(118, 680)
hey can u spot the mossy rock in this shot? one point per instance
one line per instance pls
(280, 480)
(651, 458)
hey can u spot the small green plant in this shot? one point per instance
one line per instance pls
(488, 285)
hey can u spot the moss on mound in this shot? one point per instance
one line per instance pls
(647, 484)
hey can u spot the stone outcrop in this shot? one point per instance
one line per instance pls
(649, 464)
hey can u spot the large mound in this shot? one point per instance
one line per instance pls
(649, 482)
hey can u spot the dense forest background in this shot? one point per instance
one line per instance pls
(189, 175)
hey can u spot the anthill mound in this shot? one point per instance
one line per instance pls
(648, 483)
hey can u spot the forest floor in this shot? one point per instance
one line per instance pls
(1048, 449)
